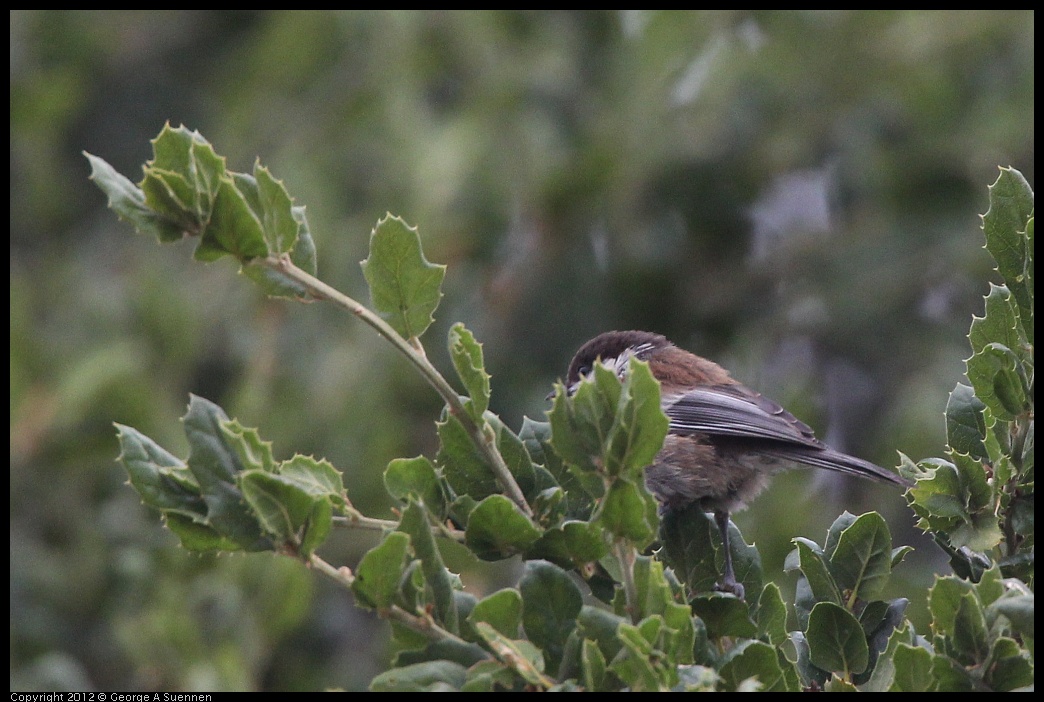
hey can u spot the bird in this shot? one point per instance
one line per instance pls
(724, 440)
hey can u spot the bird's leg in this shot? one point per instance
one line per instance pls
(728, 582)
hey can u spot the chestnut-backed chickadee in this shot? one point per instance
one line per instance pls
(724, 441)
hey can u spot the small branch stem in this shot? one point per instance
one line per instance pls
(625, 556)
(356, 520)
(321, 291)
(421, 623)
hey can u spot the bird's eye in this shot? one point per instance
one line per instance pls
(584, 369)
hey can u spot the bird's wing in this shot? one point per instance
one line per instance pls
(726, 410)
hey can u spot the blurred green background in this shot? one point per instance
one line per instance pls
(793, 194)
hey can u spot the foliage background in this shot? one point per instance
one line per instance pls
(794, 194)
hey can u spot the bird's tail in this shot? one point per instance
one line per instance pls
(833, 460)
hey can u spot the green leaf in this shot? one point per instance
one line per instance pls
(1009, 667)
(655, 597)
(430, 676)
(836, 640)
(593, 666)
(600, 626)
(1018, 609)
(316, 528)
(280, 506)
(758, 660)
(573, 544)
(724, 616)
(635, 663)
(415, 523)
(862, 560)
(998, 378)
(276, 283)
(233, 228)
(253, 452)
(186, 153)
(171, 197)
(465, 469)
(462, 652)
(581, 425)
(502, 610)
(913, 669)
(128, 202)
(489, 676)
(640, 424)
(404, 287)
(772, 615)
(215, 462)
(316, 477)
(970, 637)
(163, 480)
(813, 564)
(526, 659)
(1008, 228)
(196, 536)
(688, 547)
(378, 574)
(639, 663)
(537, 439)
(275, 210)
(513, 451)
(551, 603)
(497, 529)
(406, 478)
(629, 511)
(965, 425)
(466, 354)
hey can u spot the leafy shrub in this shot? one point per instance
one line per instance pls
(610, 596)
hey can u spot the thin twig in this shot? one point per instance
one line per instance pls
(485, 444)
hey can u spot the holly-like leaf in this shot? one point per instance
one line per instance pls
(276, 283)
(640, 426)
(965, 425)
(281, 507)
(315, 477)
(810, 559)
(862, 559)
(757, 660)
(497, 529)
(128, 202)
(466, 354)
(464, 467)
(415, 523)
(377, 577)
(836, 640)
(629, 511)
(196, 536)
(253, 452)
(502, 610)
(416, 478)
(275, 210)
(215, 462)
(405, 287)
(610, 426)
(551, 602)
(430, 676)
(163, 480)
(1008, 228)
(234, 228)
(187, 154)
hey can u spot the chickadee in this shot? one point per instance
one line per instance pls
(725, 441)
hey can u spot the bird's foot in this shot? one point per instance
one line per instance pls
(730, 586)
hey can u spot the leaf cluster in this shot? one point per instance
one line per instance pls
(611, 597)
